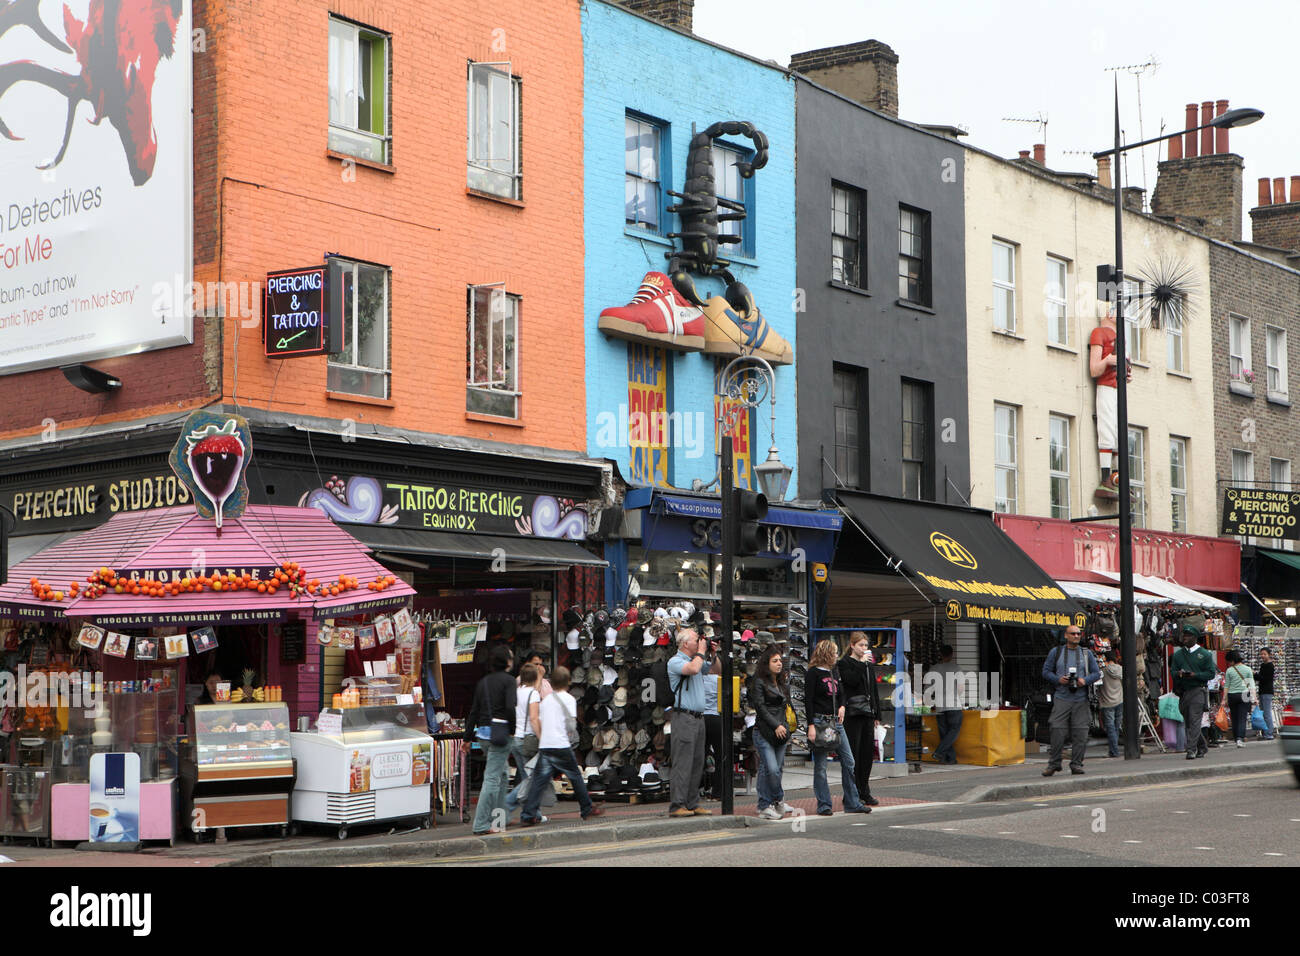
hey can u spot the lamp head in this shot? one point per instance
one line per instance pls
(1239, 117)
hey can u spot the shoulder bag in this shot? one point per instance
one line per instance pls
(828, 735)
(530, 744)
(859, 705)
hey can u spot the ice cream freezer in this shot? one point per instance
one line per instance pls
(366, 764)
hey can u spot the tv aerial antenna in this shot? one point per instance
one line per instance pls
(1040, 120)
(1137, 70)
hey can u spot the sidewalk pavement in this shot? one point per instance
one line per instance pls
(934, 784)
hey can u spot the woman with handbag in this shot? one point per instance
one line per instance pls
(528, 730)
(861, 711)
(824, 706)
(1239, 684)
(769, 695)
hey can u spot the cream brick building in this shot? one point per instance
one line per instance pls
(1028, 351)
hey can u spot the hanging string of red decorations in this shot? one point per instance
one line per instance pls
(288, 576)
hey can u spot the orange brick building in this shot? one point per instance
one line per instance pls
(430, 156)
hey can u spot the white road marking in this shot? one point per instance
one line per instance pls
(1273, 854)
(1068, 836)
(1241, 814)
(1182, 811)
(1127, 810)
(1132, 841)
(1203, 848)
(1006, 833)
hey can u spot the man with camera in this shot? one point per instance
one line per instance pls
(1193, 667)
(1070, 669)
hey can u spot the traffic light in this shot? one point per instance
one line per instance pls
(749, 507)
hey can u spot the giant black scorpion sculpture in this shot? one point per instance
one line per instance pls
(700, 213)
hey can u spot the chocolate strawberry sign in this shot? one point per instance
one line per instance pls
(211, 457)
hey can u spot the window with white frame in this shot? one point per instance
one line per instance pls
(1055, 297)
(1135, 342)
(492, 386)
(733, 188)
(1004, 286)
(1279, 473)
(1137, 474)
(643, 194)
(1239, 369)
(1178, 483)
(360, 367)
(494, 163)
(1005, 471)
(1175, 347)
(358, 68)
(1058, 464)
(1275, 358)
(1243, 469)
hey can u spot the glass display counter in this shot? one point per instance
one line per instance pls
(239, 770)
(374, 764)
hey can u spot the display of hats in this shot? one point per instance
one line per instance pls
(595, 783)
(622, 677)
(618, 615)
(648, 636)
(593, 677)
(571, 639)
(605, 694)
(642, 739)
(620, 697)
(611, 636)
(619, 657)
(579, 675)
(572, 619)
(608, 674)
(658, 716)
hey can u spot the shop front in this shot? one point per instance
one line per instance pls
(189, 638)
(665, 567)
(1177, 579)
(919, 575)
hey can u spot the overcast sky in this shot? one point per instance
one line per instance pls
(970, 63)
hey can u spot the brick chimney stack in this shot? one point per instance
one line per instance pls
(1040, 154)
(1276, 222)
(866, 72)
(675, 13)
(1201, 187)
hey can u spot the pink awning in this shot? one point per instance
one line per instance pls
(176, 540)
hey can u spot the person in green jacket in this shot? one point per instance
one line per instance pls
(1192, 666)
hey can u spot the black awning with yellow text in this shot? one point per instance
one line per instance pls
(964, 560)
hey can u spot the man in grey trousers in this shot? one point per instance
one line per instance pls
(1193, 667)
(1069, 668)
(686, 680)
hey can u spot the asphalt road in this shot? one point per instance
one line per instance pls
(1249, 819)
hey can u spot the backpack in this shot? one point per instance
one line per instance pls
(663, 687)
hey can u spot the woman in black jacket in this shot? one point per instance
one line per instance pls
(824, 705)
(494, 704)
(769, 695)
(861, 711)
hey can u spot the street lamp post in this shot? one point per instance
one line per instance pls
(743, 385)
(1128, 645)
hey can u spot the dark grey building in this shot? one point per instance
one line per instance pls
(882, 336)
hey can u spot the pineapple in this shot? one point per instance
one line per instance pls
(248, 677)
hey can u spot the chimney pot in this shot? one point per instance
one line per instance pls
(1189, 139)
(1207, 134)
(1295, 188)
(1176, 148)
(1040, 153)
(1103, 172)
(1265, 191)
(1279, 191)
(1024, 154)
(1220, 135)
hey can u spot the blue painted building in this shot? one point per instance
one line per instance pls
(647, 89)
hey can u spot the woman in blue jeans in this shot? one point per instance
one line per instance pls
(769, 695)
(824, 703)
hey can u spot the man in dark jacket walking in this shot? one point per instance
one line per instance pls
(1192, 666)
(1070, 669)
